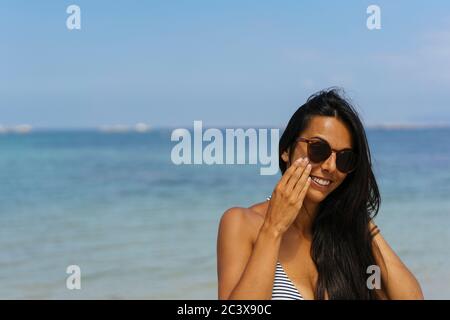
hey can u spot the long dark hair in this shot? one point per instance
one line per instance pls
(342, 245)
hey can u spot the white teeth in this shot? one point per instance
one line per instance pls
(321, 181)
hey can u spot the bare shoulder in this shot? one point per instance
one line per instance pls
(245, 222)
(238, 230)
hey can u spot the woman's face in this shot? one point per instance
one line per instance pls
(339, 137)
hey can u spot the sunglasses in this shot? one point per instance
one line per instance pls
(319, 150)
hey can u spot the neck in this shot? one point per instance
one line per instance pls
(304, 220)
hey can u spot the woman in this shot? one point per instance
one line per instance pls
(314, 238)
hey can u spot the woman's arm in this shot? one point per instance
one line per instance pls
(245, 271)
(397, 281)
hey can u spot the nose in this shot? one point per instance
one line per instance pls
(329, 164)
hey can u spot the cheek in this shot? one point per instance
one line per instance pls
(339, 181)
(298, 153)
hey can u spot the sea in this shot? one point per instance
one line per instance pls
(138, 226)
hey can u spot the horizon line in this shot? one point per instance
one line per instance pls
(132, 128)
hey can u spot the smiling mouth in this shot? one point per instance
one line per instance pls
(321, 182)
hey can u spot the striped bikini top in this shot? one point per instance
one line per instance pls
(283, 287)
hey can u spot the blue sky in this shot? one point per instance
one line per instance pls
(227, 63)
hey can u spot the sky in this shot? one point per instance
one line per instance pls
(227, 63)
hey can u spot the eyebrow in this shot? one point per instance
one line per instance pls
(323, 139)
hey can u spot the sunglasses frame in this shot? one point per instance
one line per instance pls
(315, 139)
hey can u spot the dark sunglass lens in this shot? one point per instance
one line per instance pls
(319, 151)
(346, 161)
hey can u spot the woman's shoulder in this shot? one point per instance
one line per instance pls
(245, 221)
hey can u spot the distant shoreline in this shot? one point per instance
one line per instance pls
(409, 126)
(131, 130)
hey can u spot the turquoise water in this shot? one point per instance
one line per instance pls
(140, 227)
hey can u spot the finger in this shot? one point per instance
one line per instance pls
(287, 174)
(296, 175)
(302, 194)
(305, 179)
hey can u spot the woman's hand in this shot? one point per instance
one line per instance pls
(287, 197)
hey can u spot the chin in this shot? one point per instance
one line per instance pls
(315, 196)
